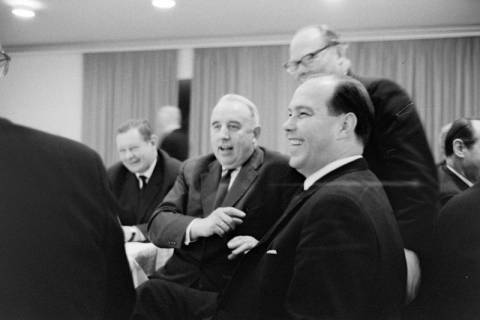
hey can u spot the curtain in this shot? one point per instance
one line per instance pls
(254, 72)
(441, 75)
(123, 85)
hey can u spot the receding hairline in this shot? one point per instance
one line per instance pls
(236, 98)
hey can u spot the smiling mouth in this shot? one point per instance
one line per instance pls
(225, 148)
(295, 142)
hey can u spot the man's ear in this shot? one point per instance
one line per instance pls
(459, 147)
(348, 123)
(256, 132)
(154, 139)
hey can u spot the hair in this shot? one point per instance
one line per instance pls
(231, 97)
(461, 129)
(350, 95)
(330, 37)
(141, 125)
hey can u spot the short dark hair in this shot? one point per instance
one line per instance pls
(461, 129)
(351, 96)
(143, 127)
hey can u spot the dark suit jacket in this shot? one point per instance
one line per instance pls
(62, 252)
(456, 273)
(261, 190)
(137, 208)
(176, 144)
(450, 184)
(399, 155)
(336, 253)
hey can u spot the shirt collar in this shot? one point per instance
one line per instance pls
(460, 176)
(148, 173)
(311, 179)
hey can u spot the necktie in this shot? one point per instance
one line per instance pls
(144, 182)
(222, 188)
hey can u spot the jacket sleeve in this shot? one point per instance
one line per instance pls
(166, 228)
(120, 292)
(403, 162)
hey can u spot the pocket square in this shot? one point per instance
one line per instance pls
(272, 251)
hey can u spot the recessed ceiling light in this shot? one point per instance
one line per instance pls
(163, 4)
(23, 13)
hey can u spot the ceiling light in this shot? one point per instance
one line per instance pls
(23, 13)
(163, 4)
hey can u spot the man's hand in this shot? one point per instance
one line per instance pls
(220, 221)
(240, 245)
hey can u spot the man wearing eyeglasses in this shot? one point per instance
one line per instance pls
(397, 152)
(62, 251)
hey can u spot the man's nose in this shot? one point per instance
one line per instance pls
(289, 125)
(224, 132)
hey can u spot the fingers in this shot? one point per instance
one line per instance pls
(241, 245)
(234, 212)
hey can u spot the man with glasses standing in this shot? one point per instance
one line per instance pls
(62, 252)
(397, 152)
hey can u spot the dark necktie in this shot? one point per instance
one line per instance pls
(222, 188)
(144, 182)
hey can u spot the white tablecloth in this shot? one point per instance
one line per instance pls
(145, 259)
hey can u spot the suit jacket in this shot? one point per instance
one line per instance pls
(450, 184)
(456, 265)
(138, 207)
(261, 189)
(336, 253)
(399, 155)
(62, 250)
(176, 144)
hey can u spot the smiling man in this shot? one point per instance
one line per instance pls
(141, 179)
(336, 252)
(397, 151)
(219, 206)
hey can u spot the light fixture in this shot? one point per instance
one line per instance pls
(163, 4)
(23, 13)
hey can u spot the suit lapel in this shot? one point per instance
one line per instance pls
(247, 175)
(208, 186)
(300, 198)
(297, 201)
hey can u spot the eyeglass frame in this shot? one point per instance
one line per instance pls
(292, 66)
(4, 62)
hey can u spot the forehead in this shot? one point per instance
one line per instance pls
(306, 41)
(476, 128)
(231, 111)
(313, 94)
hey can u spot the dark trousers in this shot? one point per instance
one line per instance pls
(165, 300)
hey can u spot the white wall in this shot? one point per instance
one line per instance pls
(44, 91)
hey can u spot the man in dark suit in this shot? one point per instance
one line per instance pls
(142, 178)
(455, 286)
(336, 252)
(206, 225)
(397, 151)
(461, 169)
(172, 137)
(62, 253)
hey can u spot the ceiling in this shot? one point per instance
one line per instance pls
(109, 23)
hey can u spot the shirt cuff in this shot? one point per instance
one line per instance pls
(188, 239)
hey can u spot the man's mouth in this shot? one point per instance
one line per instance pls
(225, 148)
(295, 141)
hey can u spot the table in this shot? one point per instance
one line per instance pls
(144, 259)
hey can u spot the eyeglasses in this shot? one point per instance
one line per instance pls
(292, 66)
(4, 62)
